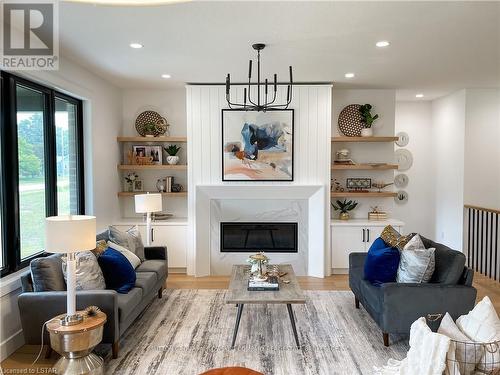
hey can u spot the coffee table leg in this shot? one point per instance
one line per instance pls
(238, 318)
(292, 320)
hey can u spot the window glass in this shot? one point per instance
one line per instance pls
(31, 154)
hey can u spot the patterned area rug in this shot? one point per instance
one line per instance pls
(189, 331)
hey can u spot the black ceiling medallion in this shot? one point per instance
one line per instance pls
(249, 102)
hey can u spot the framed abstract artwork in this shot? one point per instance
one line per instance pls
(257, 146)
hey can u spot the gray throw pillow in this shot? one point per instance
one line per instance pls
(88, 273)
(130, 239)
(416, 266)
(47, 275)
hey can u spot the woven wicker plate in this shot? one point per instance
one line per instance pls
(148, 117)
(350, 121)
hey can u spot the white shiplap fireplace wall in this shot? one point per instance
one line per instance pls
(312, 104)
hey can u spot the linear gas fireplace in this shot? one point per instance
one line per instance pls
(271, 237)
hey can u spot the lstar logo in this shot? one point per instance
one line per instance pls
(30, 35)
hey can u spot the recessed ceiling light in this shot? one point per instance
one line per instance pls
(166, 76)
(419, 96)
(136, 45)
(349, 75)
(382, 43)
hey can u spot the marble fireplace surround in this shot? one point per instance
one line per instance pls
(302, 203)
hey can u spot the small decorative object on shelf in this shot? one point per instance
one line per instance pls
(381, 185)
(367, 120)
(376, 214)
(344, 207)
(176, 188)
(137, 185)
(342, 157)
(129, 181)
(336, 186)
(172, 151)
(160, 185)
(350, 121)
(258, 261)
(147, 155)
(151, 124)
(359, 184)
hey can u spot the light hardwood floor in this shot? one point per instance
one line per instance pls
(24, 356)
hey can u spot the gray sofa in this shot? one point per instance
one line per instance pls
(394, 306)
(121, 309)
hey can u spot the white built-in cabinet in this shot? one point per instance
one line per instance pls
(354, 236)
(170, 234)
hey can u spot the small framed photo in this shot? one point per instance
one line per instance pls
(156, 153)
(137, 185)
(139, 151)
(359, 183)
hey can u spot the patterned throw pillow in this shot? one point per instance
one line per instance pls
(394, 239)
(100, 247)
(88, 273)
(416, 266)
(130, 239)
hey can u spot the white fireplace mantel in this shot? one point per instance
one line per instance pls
(316, 228)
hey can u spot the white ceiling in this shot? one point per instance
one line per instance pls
(436, 47)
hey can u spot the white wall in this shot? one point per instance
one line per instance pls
(171, 104)
(102, 123)
(312, 128)
(448, 130)
(384, 104)
(415, 118)
(482, 148)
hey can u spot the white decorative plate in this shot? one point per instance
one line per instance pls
(401, 197)
(401, 180)
(404, 159)
(403, 140)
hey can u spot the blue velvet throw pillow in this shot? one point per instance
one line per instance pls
(117, 271)
(381, 264)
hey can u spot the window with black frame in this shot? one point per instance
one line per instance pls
(41, 163)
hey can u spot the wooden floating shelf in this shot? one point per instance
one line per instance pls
(131, 194)
(127, 167)
(364, 167)
(364, 139)
(371, 194)
(151, 139)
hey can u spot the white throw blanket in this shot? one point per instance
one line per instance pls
(427, 354)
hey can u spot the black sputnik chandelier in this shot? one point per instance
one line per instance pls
(249, 103)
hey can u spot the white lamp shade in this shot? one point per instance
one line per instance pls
(69, 234)
(145, 203)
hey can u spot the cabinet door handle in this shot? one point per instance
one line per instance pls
(152, 234)
(368, 233)
(363, 234)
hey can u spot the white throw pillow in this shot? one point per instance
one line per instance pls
(415, 243)
(460, 352)
(483, 325)
(131, 257)
(88, 273)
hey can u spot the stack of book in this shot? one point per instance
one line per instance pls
(270, 284)
(169, 181)
(379, 215)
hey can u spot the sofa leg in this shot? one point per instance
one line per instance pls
(160, 293)
(386, 338)
(115, 348)
(48, 353)
(356, 302)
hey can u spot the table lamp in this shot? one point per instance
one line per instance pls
(70, 234)
(147, 203)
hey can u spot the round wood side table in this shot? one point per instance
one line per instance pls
(75, 343)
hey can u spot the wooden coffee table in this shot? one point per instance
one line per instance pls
(288, 294)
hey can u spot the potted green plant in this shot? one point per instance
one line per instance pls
(172, 151)
(344, 207)
(367, 120)
(150, 129)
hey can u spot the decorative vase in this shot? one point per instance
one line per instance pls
(172, 160)
(366, 132)
(344, 216)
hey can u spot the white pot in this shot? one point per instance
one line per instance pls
(366, 132)
(172, 160)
